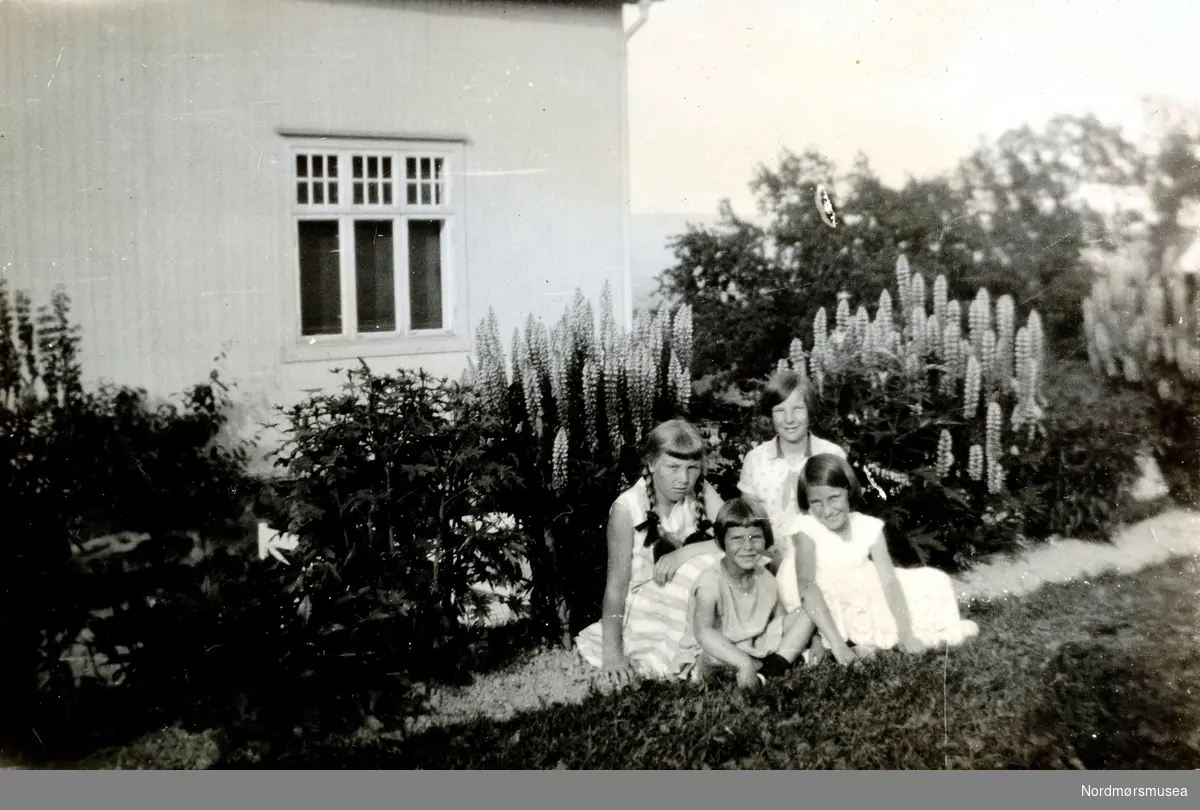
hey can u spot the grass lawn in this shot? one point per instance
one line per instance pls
(1101, 673)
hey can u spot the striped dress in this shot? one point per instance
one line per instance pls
(656, 617)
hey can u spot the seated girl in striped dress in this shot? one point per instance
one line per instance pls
(658, 543)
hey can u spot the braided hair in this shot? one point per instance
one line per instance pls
(678, 439)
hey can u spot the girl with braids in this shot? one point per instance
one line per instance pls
(658, 543)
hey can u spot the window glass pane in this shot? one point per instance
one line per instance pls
(302, 192)
(410, 168)
(387, 193)
(425, 273)
(331, 164)
(356, 165)
(318, 166)
(372, 167)
(320, 279)
(373, 193)
(358, 193)
(318, 193)
(412, 193)
(302, 165)
(387, 167)
(375, 276)
(333, 193)
(426, 194)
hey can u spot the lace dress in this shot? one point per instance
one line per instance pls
(854, 593)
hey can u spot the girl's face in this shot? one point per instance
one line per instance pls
(830, 505)
(674, 477)
(744, 546)
(790, 418)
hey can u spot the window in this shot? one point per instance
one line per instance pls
(376, 228)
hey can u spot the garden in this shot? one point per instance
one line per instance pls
(1022, 417)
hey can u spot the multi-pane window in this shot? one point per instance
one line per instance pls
(372, 230)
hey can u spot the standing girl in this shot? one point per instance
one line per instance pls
(771, 470)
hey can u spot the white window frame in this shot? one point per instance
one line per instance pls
(453, 336)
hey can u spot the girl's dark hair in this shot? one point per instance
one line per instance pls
(828, 470)
(743, 514)
(780, 386)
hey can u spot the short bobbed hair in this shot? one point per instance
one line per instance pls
(741, 514)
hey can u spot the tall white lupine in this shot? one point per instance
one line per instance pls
(987, 359)
(1005, 324)
(612, 399)
(842, 316)
(883, 315)
(903, 285)
(591, 385)
(971, 387)
(975, 463)
(993, 431)
(681, 336)
(783, 365)
(558, 461)
(917, 292)
(940, 301)
(933, 337)
(945, 456)
(951, 361)
(796, 354)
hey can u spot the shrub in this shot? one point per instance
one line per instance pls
(575, 408)
(392, 489)
(932, 413)
(83, 464)
(1143, 331)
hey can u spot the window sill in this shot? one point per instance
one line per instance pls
(317, 349)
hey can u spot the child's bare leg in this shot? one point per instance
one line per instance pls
(864, 651)
(818, 652)
(798, 631)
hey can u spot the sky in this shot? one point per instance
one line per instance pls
(719, 86)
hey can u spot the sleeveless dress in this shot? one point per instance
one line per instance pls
(855, 596)
(746, 619)
(656, 617)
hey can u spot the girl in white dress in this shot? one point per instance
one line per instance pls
(658, 543)
(844, 553)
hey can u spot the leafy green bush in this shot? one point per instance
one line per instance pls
(79, 465)
(392, 489)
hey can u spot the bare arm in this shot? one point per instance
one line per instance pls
(704, 619)
(620, 570)
(813, 600)
(892, 590)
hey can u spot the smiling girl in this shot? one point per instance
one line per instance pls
(771, 470)
(844, 553)
(738, 621)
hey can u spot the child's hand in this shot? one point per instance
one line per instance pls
(747, 676)
(667, 565)
(775, 552)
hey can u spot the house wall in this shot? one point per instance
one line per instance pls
(142, 165)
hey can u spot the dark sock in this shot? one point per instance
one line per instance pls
(774, 665)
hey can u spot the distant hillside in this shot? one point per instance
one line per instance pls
(649, 253)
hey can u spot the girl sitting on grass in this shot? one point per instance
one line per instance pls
(737, 619)
(844, 553)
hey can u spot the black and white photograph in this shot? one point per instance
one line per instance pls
(588, 385)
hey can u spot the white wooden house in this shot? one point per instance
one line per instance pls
(298, 183)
